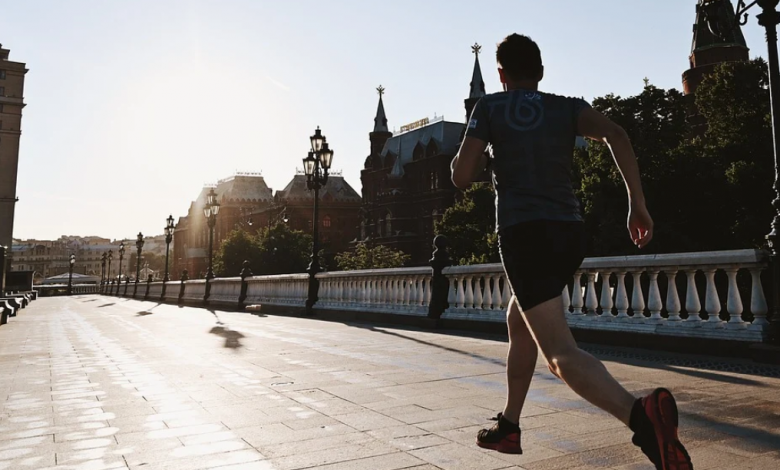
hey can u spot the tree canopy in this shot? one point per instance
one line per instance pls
(273, 250)
(469, 226)
(378, 257)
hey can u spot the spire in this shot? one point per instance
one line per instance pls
(380, 121)
(477, 84)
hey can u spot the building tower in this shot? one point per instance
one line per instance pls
(11, 104)
(381, 133)
(477, 85)
(708, 51)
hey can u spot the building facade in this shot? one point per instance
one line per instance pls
(49, 258)
(247, 203)
(11, 105)
(406, 177)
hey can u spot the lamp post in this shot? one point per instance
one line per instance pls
(211, 210)
(139, 244)
(108, 273)
(71, 263)
(121, 255)
(316, 166)
(102, 270)
(721, 25)
(169, 227)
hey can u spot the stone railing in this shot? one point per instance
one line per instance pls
(284, 289)
(604, 295)
(716, 295)
(404, 291)
(62, 289)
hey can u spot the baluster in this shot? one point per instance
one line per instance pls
(496, 292)
(478, 292)
(468, 292)
(757, 300)
(734, 302)
(654, 301)
(506, 292)
(428, 280)
(637, 297)
(672, 297)
(606, 296)
(692, 302)
(566, 300)
(412, 290)
(452, 295)
(591, 301)
(487, 297)
(420, 300)
(576, 293)
(712, 304)
(621, 297)
(461, 295)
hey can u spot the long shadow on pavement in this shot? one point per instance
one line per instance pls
(105, 305)
(232, 337)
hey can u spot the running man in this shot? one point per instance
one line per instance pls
(541, 239)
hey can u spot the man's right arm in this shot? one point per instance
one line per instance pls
(596, 126)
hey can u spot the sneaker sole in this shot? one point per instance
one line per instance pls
(663, 411)
(503, 447)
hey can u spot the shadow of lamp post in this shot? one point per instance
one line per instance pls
(316, 166)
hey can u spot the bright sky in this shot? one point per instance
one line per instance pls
(133, 105)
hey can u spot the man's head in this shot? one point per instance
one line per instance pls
(519, 60)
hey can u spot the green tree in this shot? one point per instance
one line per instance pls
(282, 250)
(237, 247)
(378, 257)
(469, 226)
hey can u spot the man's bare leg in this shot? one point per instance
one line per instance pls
(520, 362)
(585, 374)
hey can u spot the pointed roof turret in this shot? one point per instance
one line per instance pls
(477, 84)
(702, 35)
(380, 121)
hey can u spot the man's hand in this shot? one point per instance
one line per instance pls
(640, 225)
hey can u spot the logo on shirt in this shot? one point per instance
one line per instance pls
(473, 124)
(525, 111)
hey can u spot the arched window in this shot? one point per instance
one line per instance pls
(433, 149)
(326, 222)
(434, 178)
(381, 227)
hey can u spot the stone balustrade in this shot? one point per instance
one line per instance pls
(716, 295)
(684, 294)
(283, 289)
(155, 290)
(404, 291)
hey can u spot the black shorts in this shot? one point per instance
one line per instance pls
(540, 258)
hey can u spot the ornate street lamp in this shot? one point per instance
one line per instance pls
(108, 273)
(169, 227)
(139, 244)
(119, 276)
(211, 210)
(316, 166)
(102, 270)
(718, 16)
(71, 263)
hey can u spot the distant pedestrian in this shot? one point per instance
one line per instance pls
(532, 137)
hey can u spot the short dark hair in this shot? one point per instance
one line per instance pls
(520, 57)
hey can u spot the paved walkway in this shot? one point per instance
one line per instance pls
(99, 383)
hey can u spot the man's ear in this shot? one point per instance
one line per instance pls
(501, 75)
(541, 74)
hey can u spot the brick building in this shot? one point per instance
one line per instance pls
(406, 177)
(247, 203)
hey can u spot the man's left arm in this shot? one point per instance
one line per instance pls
(469, 162)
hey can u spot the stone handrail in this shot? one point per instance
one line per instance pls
(405, 291)
(605, 300)
(682, 294)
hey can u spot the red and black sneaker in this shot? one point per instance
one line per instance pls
(655, 421)
(503, 437)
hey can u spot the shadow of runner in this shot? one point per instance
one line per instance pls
(232, 337)
(105, 305)
(143, 314)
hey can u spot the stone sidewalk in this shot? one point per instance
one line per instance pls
(93, 382)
